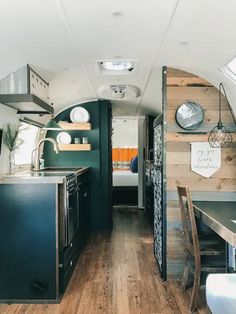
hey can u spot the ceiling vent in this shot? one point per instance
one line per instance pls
(119, 92)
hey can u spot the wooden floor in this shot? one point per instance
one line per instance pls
(116, 274)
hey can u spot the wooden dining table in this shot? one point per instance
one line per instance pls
(220, 216)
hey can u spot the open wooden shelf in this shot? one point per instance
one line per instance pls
(75, 126)
(70, 147)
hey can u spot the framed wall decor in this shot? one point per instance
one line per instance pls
(189, 115)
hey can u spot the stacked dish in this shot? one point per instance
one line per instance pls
(79, 115)
(63, 138)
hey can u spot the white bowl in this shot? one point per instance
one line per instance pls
(79, 114)
(63, 138)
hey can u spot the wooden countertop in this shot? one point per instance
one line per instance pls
(219, 216)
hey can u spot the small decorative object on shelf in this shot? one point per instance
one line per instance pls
(77, 140)
(219, 135)
(12, 141)
(84, 140)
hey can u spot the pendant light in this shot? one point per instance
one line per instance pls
(52, 125)
(219, 135)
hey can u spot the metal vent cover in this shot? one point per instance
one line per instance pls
(121, 92)
(118, 91)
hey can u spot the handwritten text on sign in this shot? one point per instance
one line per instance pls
(205, 160)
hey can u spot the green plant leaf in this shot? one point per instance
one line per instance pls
(11, 138)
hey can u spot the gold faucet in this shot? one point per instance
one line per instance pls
(37, 154)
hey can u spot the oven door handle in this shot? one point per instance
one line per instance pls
(73, 191)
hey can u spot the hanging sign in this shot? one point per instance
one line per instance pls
(205, 160)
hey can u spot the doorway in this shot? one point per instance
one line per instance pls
(124, 148)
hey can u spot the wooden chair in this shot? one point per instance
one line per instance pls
(196, 247)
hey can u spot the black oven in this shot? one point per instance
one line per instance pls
(72, 208)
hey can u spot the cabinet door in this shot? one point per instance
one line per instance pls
(28, 241)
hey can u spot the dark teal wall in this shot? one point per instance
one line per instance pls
(105, 159)
(99, 158)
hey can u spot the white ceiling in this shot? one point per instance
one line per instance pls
(61, 39)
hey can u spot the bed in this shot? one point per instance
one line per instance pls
(125, 178)
(125, 188)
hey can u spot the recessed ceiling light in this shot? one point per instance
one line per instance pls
(117, 65)
(117, 14)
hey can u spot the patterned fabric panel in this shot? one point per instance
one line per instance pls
(121, 157)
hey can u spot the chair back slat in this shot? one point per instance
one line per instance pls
(189, 222)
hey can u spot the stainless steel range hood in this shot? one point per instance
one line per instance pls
(25, 91)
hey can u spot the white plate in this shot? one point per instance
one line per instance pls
(63, 138)
(79, 114)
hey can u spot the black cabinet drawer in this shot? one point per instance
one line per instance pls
(68, 252)
(66, 273)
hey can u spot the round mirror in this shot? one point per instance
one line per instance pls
(189, 115)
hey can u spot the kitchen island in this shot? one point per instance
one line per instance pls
(44, 219)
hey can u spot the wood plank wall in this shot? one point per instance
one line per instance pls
(182, 86)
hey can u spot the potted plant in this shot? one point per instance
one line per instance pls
(12, 142)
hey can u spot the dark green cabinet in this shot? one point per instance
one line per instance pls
(33, 266)
(28, 242)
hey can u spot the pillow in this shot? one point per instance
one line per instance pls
(134, 164)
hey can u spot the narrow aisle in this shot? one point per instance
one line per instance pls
(116, 274)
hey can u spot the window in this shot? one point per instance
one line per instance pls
(29, 134)
(230, 69)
